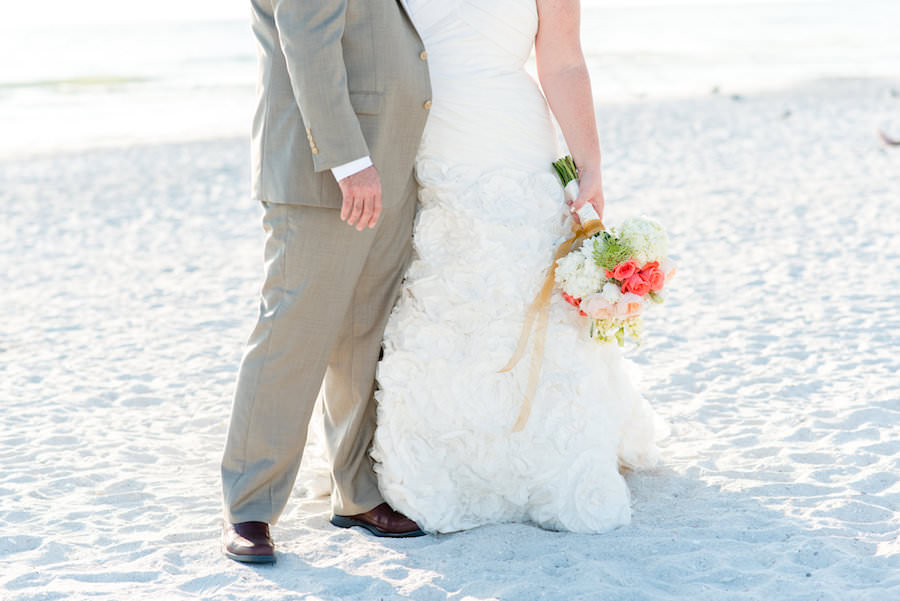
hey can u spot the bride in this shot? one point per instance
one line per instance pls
(488, 224)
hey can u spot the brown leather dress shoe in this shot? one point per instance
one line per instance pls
(381, 521)
(248, 542)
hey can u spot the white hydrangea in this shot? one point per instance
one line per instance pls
(568, 266)
(578, 275)
(647, 237)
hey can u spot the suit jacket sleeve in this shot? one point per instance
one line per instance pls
(310, 32)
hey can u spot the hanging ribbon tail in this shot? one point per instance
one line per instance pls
(524, 336)
(534, 375)
(539, 310)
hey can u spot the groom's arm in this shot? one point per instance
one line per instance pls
(310, 32)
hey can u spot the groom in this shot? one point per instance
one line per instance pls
(343, 99)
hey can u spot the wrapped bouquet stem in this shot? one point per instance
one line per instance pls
(568, 174)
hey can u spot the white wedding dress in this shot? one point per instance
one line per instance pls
(489, 221)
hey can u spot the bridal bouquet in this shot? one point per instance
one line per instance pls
(615, 274)
(610, 276)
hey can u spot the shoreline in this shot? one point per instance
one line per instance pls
(822, 86)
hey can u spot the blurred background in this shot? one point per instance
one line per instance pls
(104, 72)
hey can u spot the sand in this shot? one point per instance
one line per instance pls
(129, 285)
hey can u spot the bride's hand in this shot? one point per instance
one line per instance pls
(590, 188)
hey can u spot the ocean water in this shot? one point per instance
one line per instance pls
(67, 87)
(73, 87)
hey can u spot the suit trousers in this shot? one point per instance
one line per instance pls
(327, 295)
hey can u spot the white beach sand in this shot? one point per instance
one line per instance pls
(129, 285)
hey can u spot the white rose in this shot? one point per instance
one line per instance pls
(611, 292)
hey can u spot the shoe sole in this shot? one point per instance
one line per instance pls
(258, 559)
(342, 522)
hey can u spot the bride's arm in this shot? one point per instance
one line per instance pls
(567, 86)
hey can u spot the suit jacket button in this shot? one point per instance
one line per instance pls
(315, 151)
(427, 105)
(423, 56)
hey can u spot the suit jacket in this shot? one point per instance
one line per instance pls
(338, 80)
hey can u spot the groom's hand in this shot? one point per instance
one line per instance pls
(362, 198)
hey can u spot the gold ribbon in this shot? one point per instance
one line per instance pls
(539, 310)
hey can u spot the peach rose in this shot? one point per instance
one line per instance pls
(669, 268)
(630, 306)
(598, 307)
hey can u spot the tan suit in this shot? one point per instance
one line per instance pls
(339, 80)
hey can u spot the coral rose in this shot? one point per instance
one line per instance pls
(626, 270)
(575, 302)
(571, 299)
(636, 285)
(654, 277)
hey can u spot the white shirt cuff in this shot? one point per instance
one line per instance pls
(351, 168)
